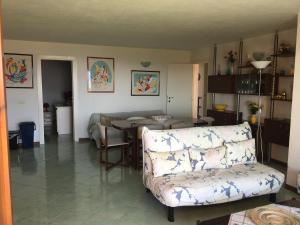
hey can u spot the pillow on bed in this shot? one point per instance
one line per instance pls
(164, 163)
(212, 158)
(242, 152)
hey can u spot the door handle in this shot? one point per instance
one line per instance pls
(170, 98)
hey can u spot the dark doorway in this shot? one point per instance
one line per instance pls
(57, 97)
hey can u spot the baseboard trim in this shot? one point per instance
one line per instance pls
(84, 140)
(290, 188)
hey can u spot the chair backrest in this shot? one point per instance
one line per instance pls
(103, 133)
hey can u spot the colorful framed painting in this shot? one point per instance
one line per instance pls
(18, 70)
(145, 83)
(101, 76)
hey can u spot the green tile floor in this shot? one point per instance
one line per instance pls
(62, 183)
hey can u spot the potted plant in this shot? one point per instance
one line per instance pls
(253, 108)
(231, 57)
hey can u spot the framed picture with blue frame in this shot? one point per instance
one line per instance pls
(145, 83)
(101, 74)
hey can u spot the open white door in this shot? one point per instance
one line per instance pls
(180, 90)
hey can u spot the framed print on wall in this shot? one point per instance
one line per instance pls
(18, 70)
(145, 83)
(101, 77)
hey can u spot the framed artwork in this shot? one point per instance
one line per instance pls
(101, 77)
(18, 70)
(145, 83)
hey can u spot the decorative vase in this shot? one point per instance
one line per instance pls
(229, 69)
(253, 119)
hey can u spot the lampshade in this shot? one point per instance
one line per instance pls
(260, 64)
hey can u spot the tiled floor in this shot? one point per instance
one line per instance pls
(62, 183)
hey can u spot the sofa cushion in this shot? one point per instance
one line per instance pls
(170, 162)
(174, 140)
(211, 158)
(195, 137)
(216, 185)
(242, 152)
(137, 118)
(234, 133)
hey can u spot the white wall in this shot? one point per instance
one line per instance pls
(260, 43)
(23, 103)
(294, 149)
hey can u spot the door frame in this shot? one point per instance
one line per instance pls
(74, 93)
(203, 84)
(6, 216)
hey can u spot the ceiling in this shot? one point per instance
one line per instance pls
(170, 24)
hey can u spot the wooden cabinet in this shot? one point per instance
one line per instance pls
(277, 131)
(221, 84)
(224, 117)
(244, 84)
(248, 84)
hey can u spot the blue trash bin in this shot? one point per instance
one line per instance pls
(27, 134)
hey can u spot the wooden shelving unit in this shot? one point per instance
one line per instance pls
(238, 85)
(284, 55)
(277, 130)
(277, 77)
(282, 100)
(286, 76)
(274, 130)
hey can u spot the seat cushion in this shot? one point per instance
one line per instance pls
(116, 142)
(216, 185)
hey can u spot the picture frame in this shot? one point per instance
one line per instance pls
(101, 74)
(145, 83)
(18, 70)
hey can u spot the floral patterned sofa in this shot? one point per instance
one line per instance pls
(205, 165)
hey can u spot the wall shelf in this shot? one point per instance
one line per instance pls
(246, 66)
(283, 100)
(250, 66)
(284, 55)
(286, 76)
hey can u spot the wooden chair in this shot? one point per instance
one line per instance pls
(108, 143)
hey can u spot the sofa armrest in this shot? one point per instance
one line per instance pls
(147, 166)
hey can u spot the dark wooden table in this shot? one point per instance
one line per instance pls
(132, 128)
(199, 122)
(224, 220)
